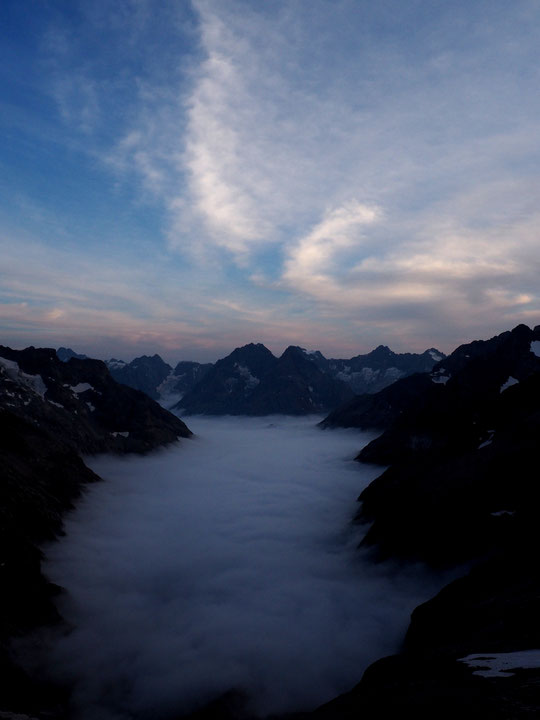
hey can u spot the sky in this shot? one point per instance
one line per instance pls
(188, 176)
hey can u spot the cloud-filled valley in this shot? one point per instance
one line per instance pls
(228, 561)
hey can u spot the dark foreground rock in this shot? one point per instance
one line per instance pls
(462, 456)
(461, 487)
(493, 609)
(51, 412)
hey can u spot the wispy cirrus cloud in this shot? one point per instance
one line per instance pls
(239, 132)
(312, 263)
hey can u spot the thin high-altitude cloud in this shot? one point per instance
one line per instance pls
(220, 135)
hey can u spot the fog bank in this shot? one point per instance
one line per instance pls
(228, 561)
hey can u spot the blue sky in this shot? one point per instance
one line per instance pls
(186, 177)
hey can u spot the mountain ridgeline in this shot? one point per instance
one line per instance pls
(252, 381)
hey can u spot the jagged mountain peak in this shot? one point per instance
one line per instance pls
(145, 373)
(251, 349)
(294, 350)
(435, 354)
(149, 360)
(65, 354)
(382, 349)
(303, 352)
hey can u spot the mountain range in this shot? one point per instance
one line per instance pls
(252, 381)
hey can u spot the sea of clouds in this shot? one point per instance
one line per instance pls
(226, 561)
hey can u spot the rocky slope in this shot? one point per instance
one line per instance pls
(50, 412)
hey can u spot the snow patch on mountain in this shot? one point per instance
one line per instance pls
(502, 665)
(115, 364)
(441, 379)
(33, 382)
(369, 374)
(80, 388)
(535, 347)
(251, 380)
(511, 381)
(488, 441)
(393, 373)
(168, 395)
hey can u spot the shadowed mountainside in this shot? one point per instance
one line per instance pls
(461, 488)
(50, 412)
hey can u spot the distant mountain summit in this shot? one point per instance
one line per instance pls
(143, 373)
(227, 387)
(252, 381)
(64, 354)
(157, 378)
(296, 385)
